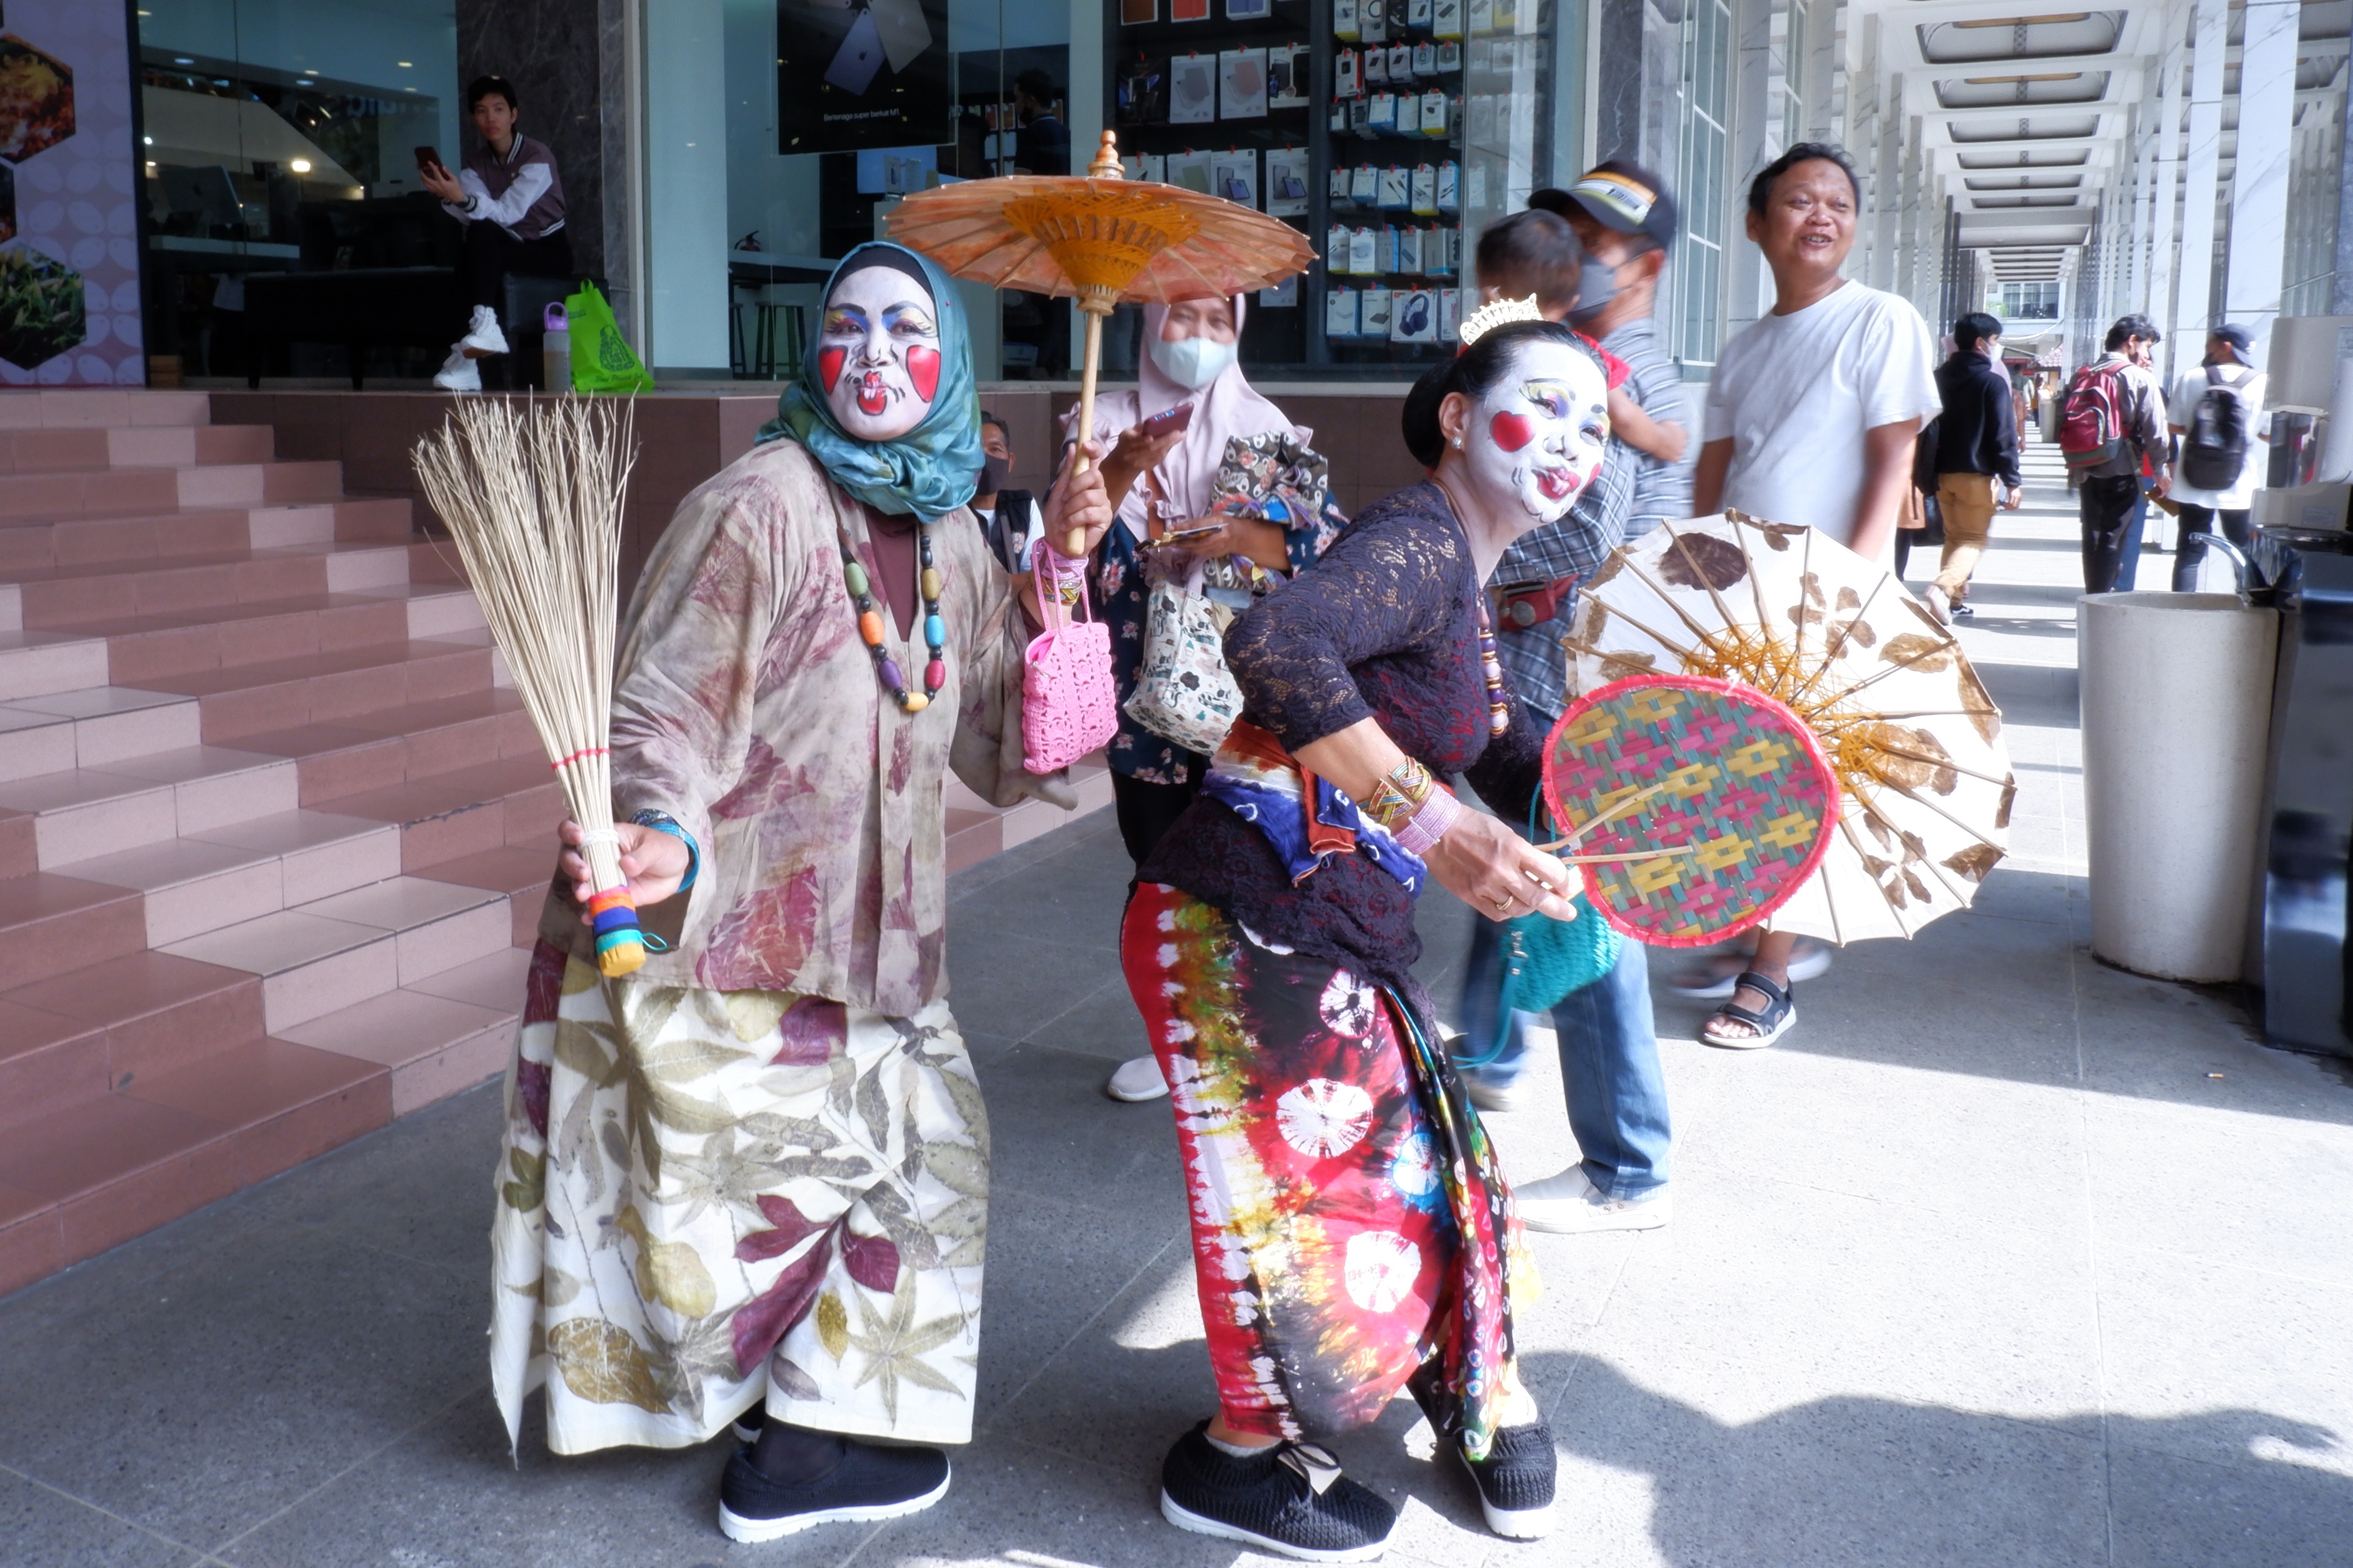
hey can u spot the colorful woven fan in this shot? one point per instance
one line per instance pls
(1694, 806)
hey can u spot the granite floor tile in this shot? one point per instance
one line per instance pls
(43, 1528)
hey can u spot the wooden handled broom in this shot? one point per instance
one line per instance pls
(531, 492)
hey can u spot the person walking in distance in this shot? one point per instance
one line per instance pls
(2217, 412)
(1811, 419)
(1976, 448)
(2111, 426)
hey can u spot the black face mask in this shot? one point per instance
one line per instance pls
(994, 472)
(1597, 288)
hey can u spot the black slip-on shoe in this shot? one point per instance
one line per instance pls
(747, 1425)
(1515, 1482)
(871, 1482)
(1290, 1499)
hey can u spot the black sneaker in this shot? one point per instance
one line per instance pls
(1515, 1482)
(747, 1425)
(871, 1482)
(1292, 1498)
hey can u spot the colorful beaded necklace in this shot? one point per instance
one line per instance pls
(869, 623)
(1499, 715)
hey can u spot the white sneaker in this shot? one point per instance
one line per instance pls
(1811, 962)
(483, 337)
(1570, 1204)
(1939, 605)
(1517, 1094)
(1138, 1080)
(458, 373)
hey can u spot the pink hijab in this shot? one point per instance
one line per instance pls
(1228, 406)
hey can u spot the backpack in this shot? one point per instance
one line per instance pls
(2091, 417)
(1924, 458)
(2214, 450)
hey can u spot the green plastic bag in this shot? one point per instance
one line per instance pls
(602, 360)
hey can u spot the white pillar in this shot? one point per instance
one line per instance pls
(2164, 224)
(1750, 144)
(686, 188)
(2192, 309)
(2259, 184)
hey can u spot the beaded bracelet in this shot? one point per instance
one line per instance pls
(1419, 833)
(662, 822)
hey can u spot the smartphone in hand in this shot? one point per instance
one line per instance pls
(429, 161)
(1178, 418)
(1184, 536)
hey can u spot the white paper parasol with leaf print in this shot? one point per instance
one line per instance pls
(1916, 742)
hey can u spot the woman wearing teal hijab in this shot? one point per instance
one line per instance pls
(749, 1183)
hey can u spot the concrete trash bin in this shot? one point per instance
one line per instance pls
(2177, 693)
(2175, 733)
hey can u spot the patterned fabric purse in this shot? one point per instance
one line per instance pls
(1545, 960)
(1070, 705)
(1184, 693)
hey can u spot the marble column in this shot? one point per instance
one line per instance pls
(2259, 184)
(2193, 304)
(2164, 224)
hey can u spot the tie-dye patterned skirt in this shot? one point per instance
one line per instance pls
(1349, 1221)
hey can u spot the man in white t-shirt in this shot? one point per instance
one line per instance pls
(1811, 418)
(2226, 364)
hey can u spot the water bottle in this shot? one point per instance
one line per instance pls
(556, 351)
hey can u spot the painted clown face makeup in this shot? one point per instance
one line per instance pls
(1534, 442)
(879, 354)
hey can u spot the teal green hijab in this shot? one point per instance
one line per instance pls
(934, 468)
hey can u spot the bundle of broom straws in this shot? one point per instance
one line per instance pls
(531, 490)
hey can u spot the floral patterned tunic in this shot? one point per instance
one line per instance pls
(747, 708)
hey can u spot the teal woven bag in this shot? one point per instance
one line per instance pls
(1545, 960)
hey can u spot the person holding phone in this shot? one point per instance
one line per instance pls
(510, 201)
(1159, 474)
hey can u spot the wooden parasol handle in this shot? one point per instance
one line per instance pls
(1094, 304)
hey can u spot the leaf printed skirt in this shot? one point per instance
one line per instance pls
(1349, 1221)
(707, 1198)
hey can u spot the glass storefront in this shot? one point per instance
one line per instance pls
(1389, 132)
(279, 163)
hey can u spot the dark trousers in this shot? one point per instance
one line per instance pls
(2236, 528)
(491, 254)
(1147, 810)
(2111, 510)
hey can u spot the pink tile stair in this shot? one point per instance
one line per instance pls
(274, 827)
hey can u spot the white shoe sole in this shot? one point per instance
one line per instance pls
(1518, 1524)
(1184, 1518)
(484, 340)
(1577, 1217)
(1813, 965)
(738, 1527)
(1751, 1042)
(1142, 1091)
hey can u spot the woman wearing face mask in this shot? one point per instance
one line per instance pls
(695, 1226)
(1352, 1234)
(1161, 484)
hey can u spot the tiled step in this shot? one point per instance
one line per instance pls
(73, 1185)
(113, 1025)
(51, 924)
(86, 812)
(328, 687)
(491, 806)
(338, 951)
(440, 1036)
(41, 664)
(59, 409)
(131, 492)
(134, 447)
(198, 882)
(74, 596)
(976, 830)
(144, 648)
(31, 547)
(520, 871)
(401, 745)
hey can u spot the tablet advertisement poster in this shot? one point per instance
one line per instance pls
(880, 70)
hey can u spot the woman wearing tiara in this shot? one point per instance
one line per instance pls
(1351, 1232)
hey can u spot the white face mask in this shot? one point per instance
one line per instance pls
(1535, 441)
(1192, 362)
(879, 355)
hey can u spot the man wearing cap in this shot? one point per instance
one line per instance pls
(1608, 1046)
(2225, 376)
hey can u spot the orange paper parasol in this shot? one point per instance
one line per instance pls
(1099, 240)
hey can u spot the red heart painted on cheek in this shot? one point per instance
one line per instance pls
(1512, 431)
(923, 370)
(828, 366)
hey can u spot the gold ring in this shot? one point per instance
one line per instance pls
(1502, 905)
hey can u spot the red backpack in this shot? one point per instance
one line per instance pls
(2091, 418)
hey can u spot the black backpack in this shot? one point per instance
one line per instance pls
(2214, 447)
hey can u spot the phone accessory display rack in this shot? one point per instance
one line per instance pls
(1389, 132)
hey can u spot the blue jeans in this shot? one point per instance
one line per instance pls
(1608, 1062)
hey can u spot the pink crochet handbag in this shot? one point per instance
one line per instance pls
(1070, 705)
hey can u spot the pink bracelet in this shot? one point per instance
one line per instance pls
(1420, 834)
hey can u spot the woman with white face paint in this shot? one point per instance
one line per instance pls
(716, 1168)
(1161, 484)
(1352, 1231)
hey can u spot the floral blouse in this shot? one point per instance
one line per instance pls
(746, 706)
